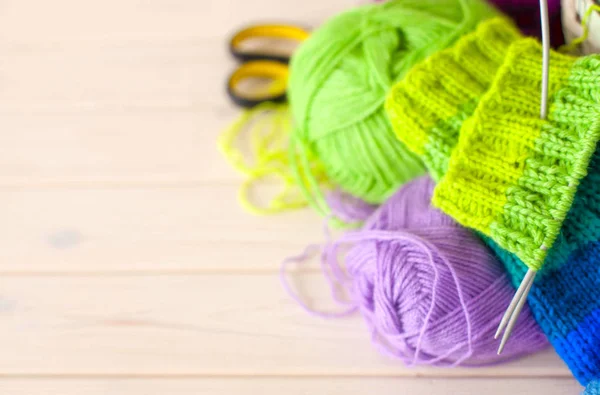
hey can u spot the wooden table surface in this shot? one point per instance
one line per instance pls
(126, 265)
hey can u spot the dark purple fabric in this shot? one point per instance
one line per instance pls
(526, 13)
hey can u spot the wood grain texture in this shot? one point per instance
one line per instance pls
(109, 86)
(70, 21)
(126, 264)
(289, 386)
(169, 228)
(79, 149)
(196, 325)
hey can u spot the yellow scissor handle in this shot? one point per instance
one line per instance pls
(286, 32)
(276, 72)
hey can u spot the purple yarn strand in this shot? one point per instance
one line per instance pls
(348, 208)
(303, 257)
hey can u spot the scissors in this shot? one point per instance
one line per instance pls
(261, 63)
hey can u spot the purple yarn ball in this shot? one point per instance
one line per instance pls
(429, 289)
(348, 208)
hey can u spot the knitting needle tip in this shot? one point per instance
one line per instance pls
(497, 332)
(514, 302)
(501, 348)
(514, 315)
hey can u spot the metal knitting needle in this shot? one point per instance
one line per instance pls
(518, 302)
(528, 279)
(545, 57)
(515, 311)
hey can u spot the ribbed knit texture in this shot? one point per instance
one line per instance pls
(565, 298)
(512, 176)
(428, 107)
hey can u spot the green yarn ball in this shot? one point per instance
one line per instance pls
(339, 79)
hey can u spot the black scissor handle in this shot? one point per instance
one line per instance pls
(275, 71)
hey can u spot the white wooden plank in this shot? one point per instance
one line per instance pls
(195, 228)
(66, 21)
(125, 148)
(195, 325)
(146, 76)
(290, 386)
(148, 113)
(175, 75)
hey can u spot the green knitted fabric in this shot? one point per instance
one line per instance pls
(428, 107)
(513, 176)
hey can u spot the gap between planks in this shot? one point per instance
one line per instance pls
(287, 385)
(197, 326)
(146, 230)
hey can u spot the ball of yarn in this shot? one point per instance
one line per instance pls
(348, 208)
(429, 289)
(339, 78)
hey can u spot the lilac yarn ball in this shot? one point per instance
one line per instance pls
(429, 290)
(348, 208)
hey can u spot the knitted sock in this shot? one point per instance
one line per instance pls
(565, 297)
(428, 107)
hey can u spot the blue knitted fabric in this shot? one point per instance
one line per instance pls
(593, 388)
(565, 298)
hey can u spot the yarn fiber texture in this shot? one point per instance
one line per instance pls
(593, 388)
(513, 176)
(503, 171)
(430, 290)
(339, 78)
(428, 107)
(565, 298)
(348, 208)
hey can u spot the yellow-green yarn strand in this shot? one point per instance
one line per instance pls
(306, 182)
(573, 46)
(266, 128)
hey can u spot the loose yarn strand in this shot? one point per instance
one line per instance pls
(304, 177)
(266, 127)
(303, 257)
(335, 277)
(574, 45)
